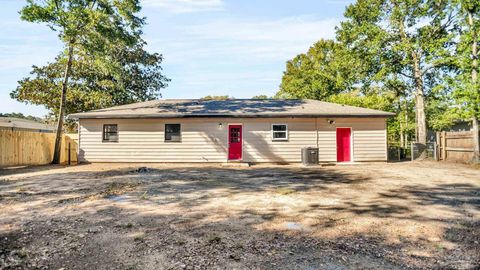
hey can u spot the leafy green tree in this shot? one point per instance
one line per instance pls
(466, 85)
(378, 100)
(332, 72)
(22, 116)
(226, 97)
(401, 40)
(135, 77)
(261, 97)
(374, 98)
(326, 69)
(89, 26)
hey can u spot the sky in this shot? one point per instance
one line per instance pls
(210, 47)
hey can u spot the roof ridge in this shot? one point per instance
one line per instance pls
(232, 108)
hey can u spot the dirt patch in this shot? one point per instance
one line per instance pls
(135, 216)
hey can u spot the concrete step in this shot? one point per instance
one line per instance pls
(235, 164)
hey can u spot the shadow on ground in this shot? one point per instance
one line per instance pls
(255, 218)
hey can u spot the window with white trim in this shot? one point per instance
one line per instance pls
(279, 132)
(173, 133)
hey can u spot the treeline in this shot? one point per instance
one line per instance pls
(22, 116)
(415, 58)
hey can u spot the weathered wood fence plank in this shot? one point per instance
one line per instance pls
(18, 147)
(456, 146)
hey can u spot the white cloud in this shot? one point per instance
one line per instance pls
(286, 29)
(186, 6)
(227, 54)
(277, 40)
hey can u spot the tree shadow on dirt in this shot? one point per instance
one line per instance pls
(117, 237)
(12, 170)
(402, 201)
(443, 194)
(172, 181)
(139, 239)
(126, 226)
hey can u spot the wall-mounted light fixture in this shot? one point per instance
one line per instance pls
(331, 121)
(220, 125)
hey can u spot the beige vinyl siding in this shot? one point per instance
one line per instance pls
(204, 140)
(259, 146)
(142, 140)
(368, 138)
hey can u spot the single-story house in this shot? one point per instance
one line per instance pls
(247, 130)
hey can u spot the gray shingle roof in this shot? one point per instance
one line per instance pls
(24, 124)
(173, 108)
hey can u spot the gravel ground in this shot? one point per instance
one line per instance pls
(122, 216)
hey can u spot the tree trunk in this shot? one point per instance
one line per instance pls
(58, 137)
(407, 138)
(400, 122)
(476, 143)
(402, 138)
(419, 101)
(406, 124)
(420, 119)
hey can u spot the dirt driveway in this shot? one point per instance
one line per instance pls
(114, 216)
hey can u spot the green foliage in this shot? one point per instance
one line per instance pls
(216, 97)
(133, 75)
(441, 110)
(375, 98)
(398, 56)
(22, 116)
(104, 37)
(93, 25)
(326, 69)
(465, 84)
(261, 97)
(403, 43)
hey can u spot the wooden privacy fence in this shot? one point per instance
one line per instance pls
(456, 146)
(34, 148)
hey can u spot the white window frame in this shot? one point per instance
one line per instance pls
(279, 139)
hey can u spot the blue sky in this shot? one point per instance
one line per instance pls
(211, 47)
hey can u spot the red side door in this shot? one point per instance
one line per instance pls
(235, 142)
(343, 144)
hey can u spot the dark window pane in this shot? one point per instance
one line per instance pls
(112, 137)
(234, 135)
(111, 128)
(279, 132)
(110, 133)
(280, 135)
(172, 132)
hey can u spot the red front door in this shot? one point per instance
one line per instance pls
(343, 144)
(234, 142)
